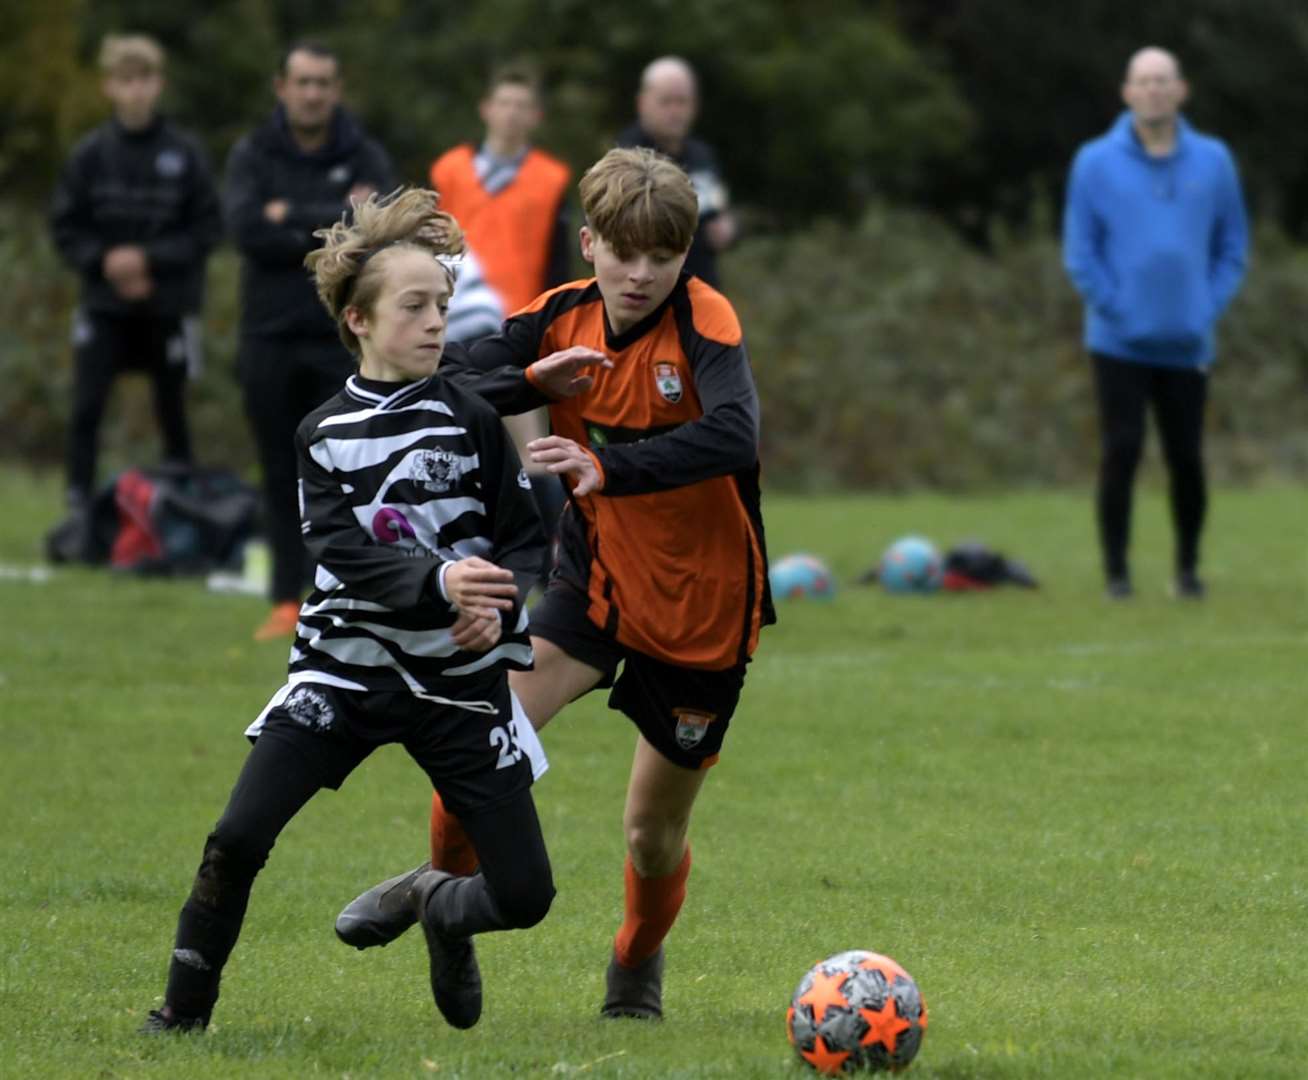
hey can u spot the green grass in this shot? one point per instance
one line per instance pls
(1080, 825)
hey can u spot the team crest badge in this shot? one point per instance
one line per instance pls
(436, 470)
(668, 379)
(310, 708)
(692, 726)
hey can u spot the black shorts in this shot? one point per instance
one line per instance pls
(682, 712)
(472, 758)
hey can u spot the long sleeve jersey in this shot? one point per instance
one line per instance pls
(150, 188)
(670, 551)
(394, 482)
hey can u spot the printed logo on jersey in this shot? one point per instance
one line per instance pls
(170, 164)
(524, 481)
(692, 726)
(392, 527)
(339, 173)
(436, 470)
(310, 708)
(668, 379)
(597, 436)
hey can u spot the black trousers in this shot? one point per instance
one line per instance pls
(106, 346)
(283, 380)
(1125, 391)
(288, 765)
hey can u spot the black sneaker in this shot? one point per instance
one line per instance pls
(636, 992)
(1119, 588)
(380, 915)
(158, 1021)
(455, 976)
(1188, 586)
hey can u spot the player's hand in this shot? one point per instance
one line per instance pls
(276, 210)
(720, 230)
(475, 633)
(359, 192)
(560, 455)
(569, 372)
(124, 263)
(479, 588)
(135, 288)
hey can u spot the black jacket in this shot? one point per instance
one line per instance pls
(277, 292)
(152, 188)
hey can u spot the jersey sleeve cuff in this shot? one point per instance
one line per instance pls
(530, 372)
(599, 468)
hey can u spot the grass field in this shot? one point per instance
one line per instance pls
(1079, 824)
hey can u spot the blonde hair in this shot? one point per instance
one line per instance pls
(121, 53)
(345, 272)
(639, 201)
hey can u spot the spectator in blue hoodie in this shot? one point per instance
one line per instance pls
(1154, 238)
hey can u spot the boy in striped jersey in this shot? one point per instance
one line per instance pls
(659, 589)
(418, 514)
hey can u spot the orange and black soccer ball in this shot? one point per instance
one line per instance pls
(856, 1011)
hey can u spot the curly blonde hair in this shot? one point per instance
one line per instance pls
(345, 270)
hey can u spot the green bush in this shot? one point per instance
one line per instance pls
(889, 355)
(892, 355)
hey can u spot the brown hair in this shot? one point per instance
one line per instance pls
(519, 74)
(345, 272)
(120, 53)
(639, 201)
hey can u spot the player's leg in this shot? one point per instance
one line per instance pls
(382, 913)
(1121, 391)
(683, 717)
(476, 760)
(269, 380)
(165, 350)
(96, 362)
(1179, 401)
(287, 765)
(555, 680)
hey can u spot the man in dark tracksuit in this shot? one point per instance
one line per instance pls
(135, 213)
(294, 174)
(666, 106)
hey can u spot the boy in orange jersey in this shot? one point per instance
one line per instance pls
(659, 589)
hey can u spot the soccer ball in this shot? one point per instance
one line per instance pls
(796, 577)
(911, 564)
(856, 1010)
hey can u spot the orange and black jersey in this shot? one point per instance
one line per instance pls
(670, 551)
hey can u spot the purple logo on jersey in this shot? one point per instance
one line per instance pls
(390, 526)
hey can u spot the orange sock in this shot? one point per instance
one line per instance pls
(451, 850)
(651, 909)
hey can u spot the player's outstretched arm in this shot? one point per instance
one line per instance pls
(568, 372)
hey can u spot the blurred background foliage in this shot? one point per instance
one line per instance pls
(898, 166)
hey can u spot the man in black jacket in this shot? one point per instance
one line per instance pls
(294, 174)
(666, 106)
(136, 214)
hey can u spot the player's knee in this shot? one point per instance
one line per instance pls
(655, 845)
(227, 869)
(528, 903)
(1123, 451)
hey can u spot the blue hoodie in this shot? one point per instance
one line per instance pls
(1155, 245)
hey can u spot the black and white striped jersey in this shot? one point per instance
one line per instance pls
(394, 481)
